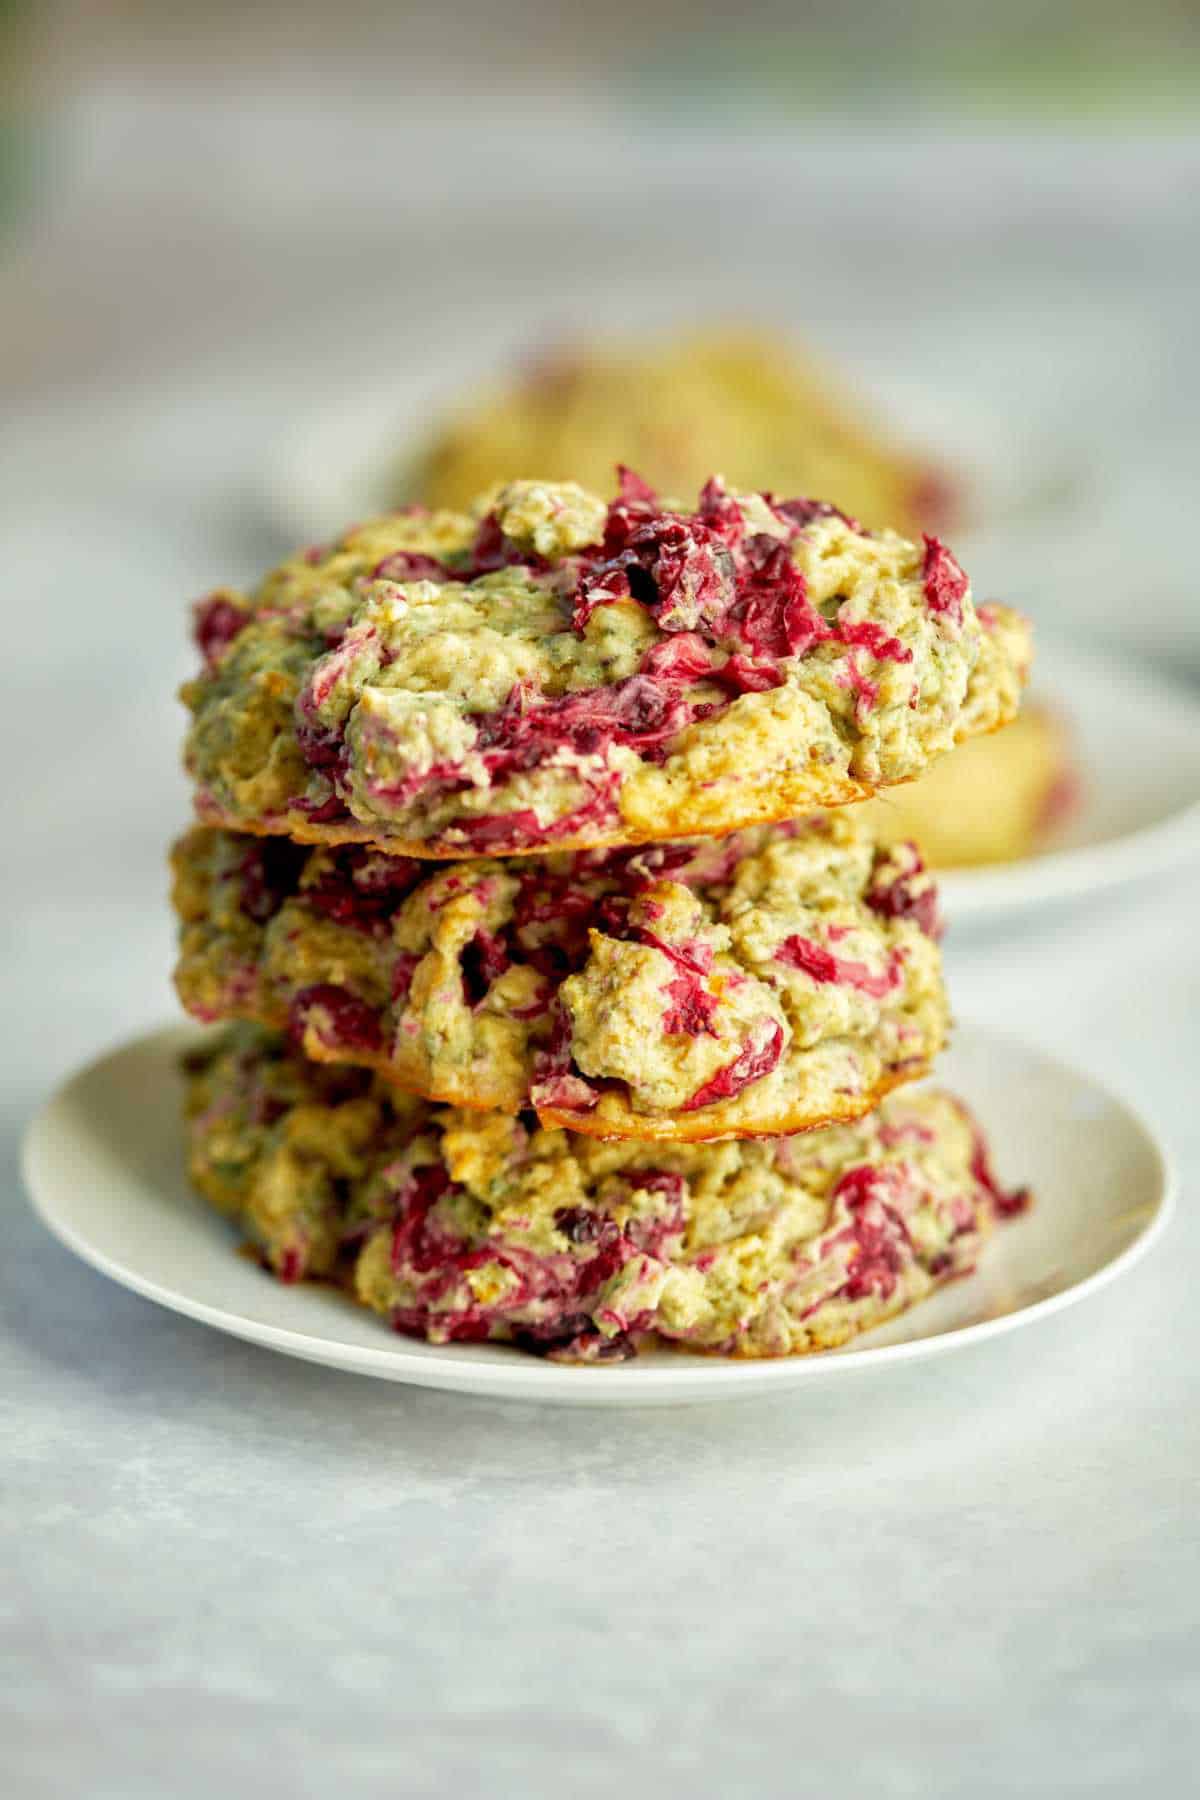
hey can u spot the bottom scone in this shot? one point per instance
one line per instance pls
(481, 1226)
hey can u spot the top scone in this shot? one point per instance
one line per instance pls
(555, 672)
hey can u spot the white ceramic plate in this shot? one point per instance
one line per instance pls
(104, 1164)
(1137, 744)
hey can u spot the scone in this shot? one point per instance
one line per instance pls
(461, 1226)
(740, 400)
(779, 979)
(555, 672)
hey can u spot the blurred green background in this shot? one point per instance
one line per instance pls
(1065, 58)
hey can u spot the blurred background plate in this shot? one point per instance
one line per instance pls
(345, 452)
(1135, 740)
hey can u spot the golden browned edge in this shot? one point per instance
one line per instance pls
(690, 1128)
(789, 800)
(787, 805)
(683, 1128)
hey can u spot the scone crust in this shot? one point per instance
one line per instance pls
(774, 981)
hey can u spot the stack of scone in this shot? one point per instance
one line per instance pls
(574, 990)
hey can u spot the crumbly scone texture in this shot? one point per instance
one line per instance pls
(462, 1226)
(995, 799)
(552, 671)
(772, 981)
(738, 399)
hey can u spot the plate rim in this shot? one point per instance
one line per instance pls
(686, 1376)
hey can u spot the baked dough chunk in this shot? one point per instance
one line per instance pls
(458, 1225)
(772, 981)
(555, 672)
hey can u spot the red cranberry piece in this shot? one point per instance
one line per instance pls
(582, 1226)
(811, 959)
(556, 1081)
(492, 550)
(339, 1018)
(266, 874)
(680, 568)
(691, 571)
(880, 1234)
(693, 957)
(412, 565)
(745, 676)
(800, 513)
(416, 1243)
(404, 967)
(466, 1328)
(573, 1337)
(633, 506)
(550, 922)
(320, 747)
(721, 512)
(658, 1181)
(1006, 1202)
(500, 831)
(601, 588)
(758, 1056)
(321, 812)
(869, 635)
(901, 897)
(553, 1334)
(291, 1264)
(822, 965)
(774, 615)
(483, 961)
(216, 622)
(632, 490)
(490, 547)
(944, 581)
(363, 888)
(638, 711)
(684, 657)
(692, 1009)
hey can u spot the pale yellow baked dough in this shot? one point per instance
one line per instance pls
(437, 978)
(460, 1225)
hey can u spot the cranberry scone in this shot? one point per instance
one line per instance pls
(461, 1226)
(778, 979)
(553, 671)
(770, 413)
